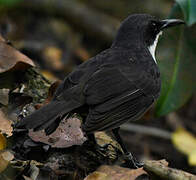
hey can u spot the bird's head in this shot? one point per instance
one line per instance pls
(142, 30)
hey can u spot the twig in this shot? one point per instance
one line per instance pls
(152, 131)
(97, 24)
(161, 170)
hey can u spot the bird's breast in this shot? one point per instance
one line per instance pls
(151, 81)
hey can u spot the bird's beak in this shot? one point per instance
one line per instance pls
(170, 23)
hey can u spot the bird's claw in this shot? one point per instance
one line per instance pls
(132, 162)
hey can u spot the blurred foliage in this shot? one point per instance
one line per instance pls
(55, 51)
(9, 2)
(59, 35)
(121, 9)
(189, 10)
(185, 142)
(177, 67)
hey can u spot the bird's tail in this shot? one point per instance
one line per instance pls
(46, 116)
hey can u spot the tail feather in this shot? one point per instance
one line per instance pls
(50, 129)
(47, 115)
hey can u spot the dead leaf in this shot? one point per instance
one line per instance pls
(82, 54)
(52, 89)
(5, 158)
(98, 176)
(2, 39)
(5, 124)
(12, 59)
(4, 97)
(67, 134)
(185, 142)
(48, 75)
(2, 142)
(53, 56)
(115, 173)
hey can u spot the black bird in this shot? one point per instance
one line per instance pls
(117, 85)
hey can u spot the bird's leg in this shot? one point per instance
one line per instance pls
(91, 138)
(128, 156)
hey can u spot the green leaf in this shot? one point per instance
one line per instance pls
(189, 10)
(8, 2)
(177, 64)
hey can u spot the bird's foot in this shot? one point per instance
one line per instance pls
(132, 162)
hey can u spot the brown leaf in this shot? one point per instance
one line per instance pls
(52, 57)
(12, 59)
(2, 39)
(52, 90)
(5, 158)
(82, 54)
(67, 134)
(4, 96)
(5, 124)
(49, 75)
(2, 142)
(98, 176)
(115, 173)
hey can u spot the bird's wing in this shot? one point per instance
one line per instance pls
(75, 81)
(115, 96)
(68, 97)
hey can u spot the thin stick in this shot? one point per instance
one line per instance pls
(90, 21)
(151, 131)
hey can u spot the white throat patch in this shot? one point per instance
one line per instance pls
(152, 48)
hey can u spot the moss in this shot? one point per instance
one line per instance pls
(36, 85)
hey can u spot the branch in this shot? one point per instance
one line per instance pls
(95, 23)
(161, 170)
(152, 131)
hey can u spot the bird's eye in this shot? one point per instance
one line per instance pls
(153, 24)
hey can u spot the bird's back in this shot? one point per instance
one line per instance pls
(123, 88)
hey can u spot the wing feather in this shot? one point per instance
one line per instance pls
(114, 99)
